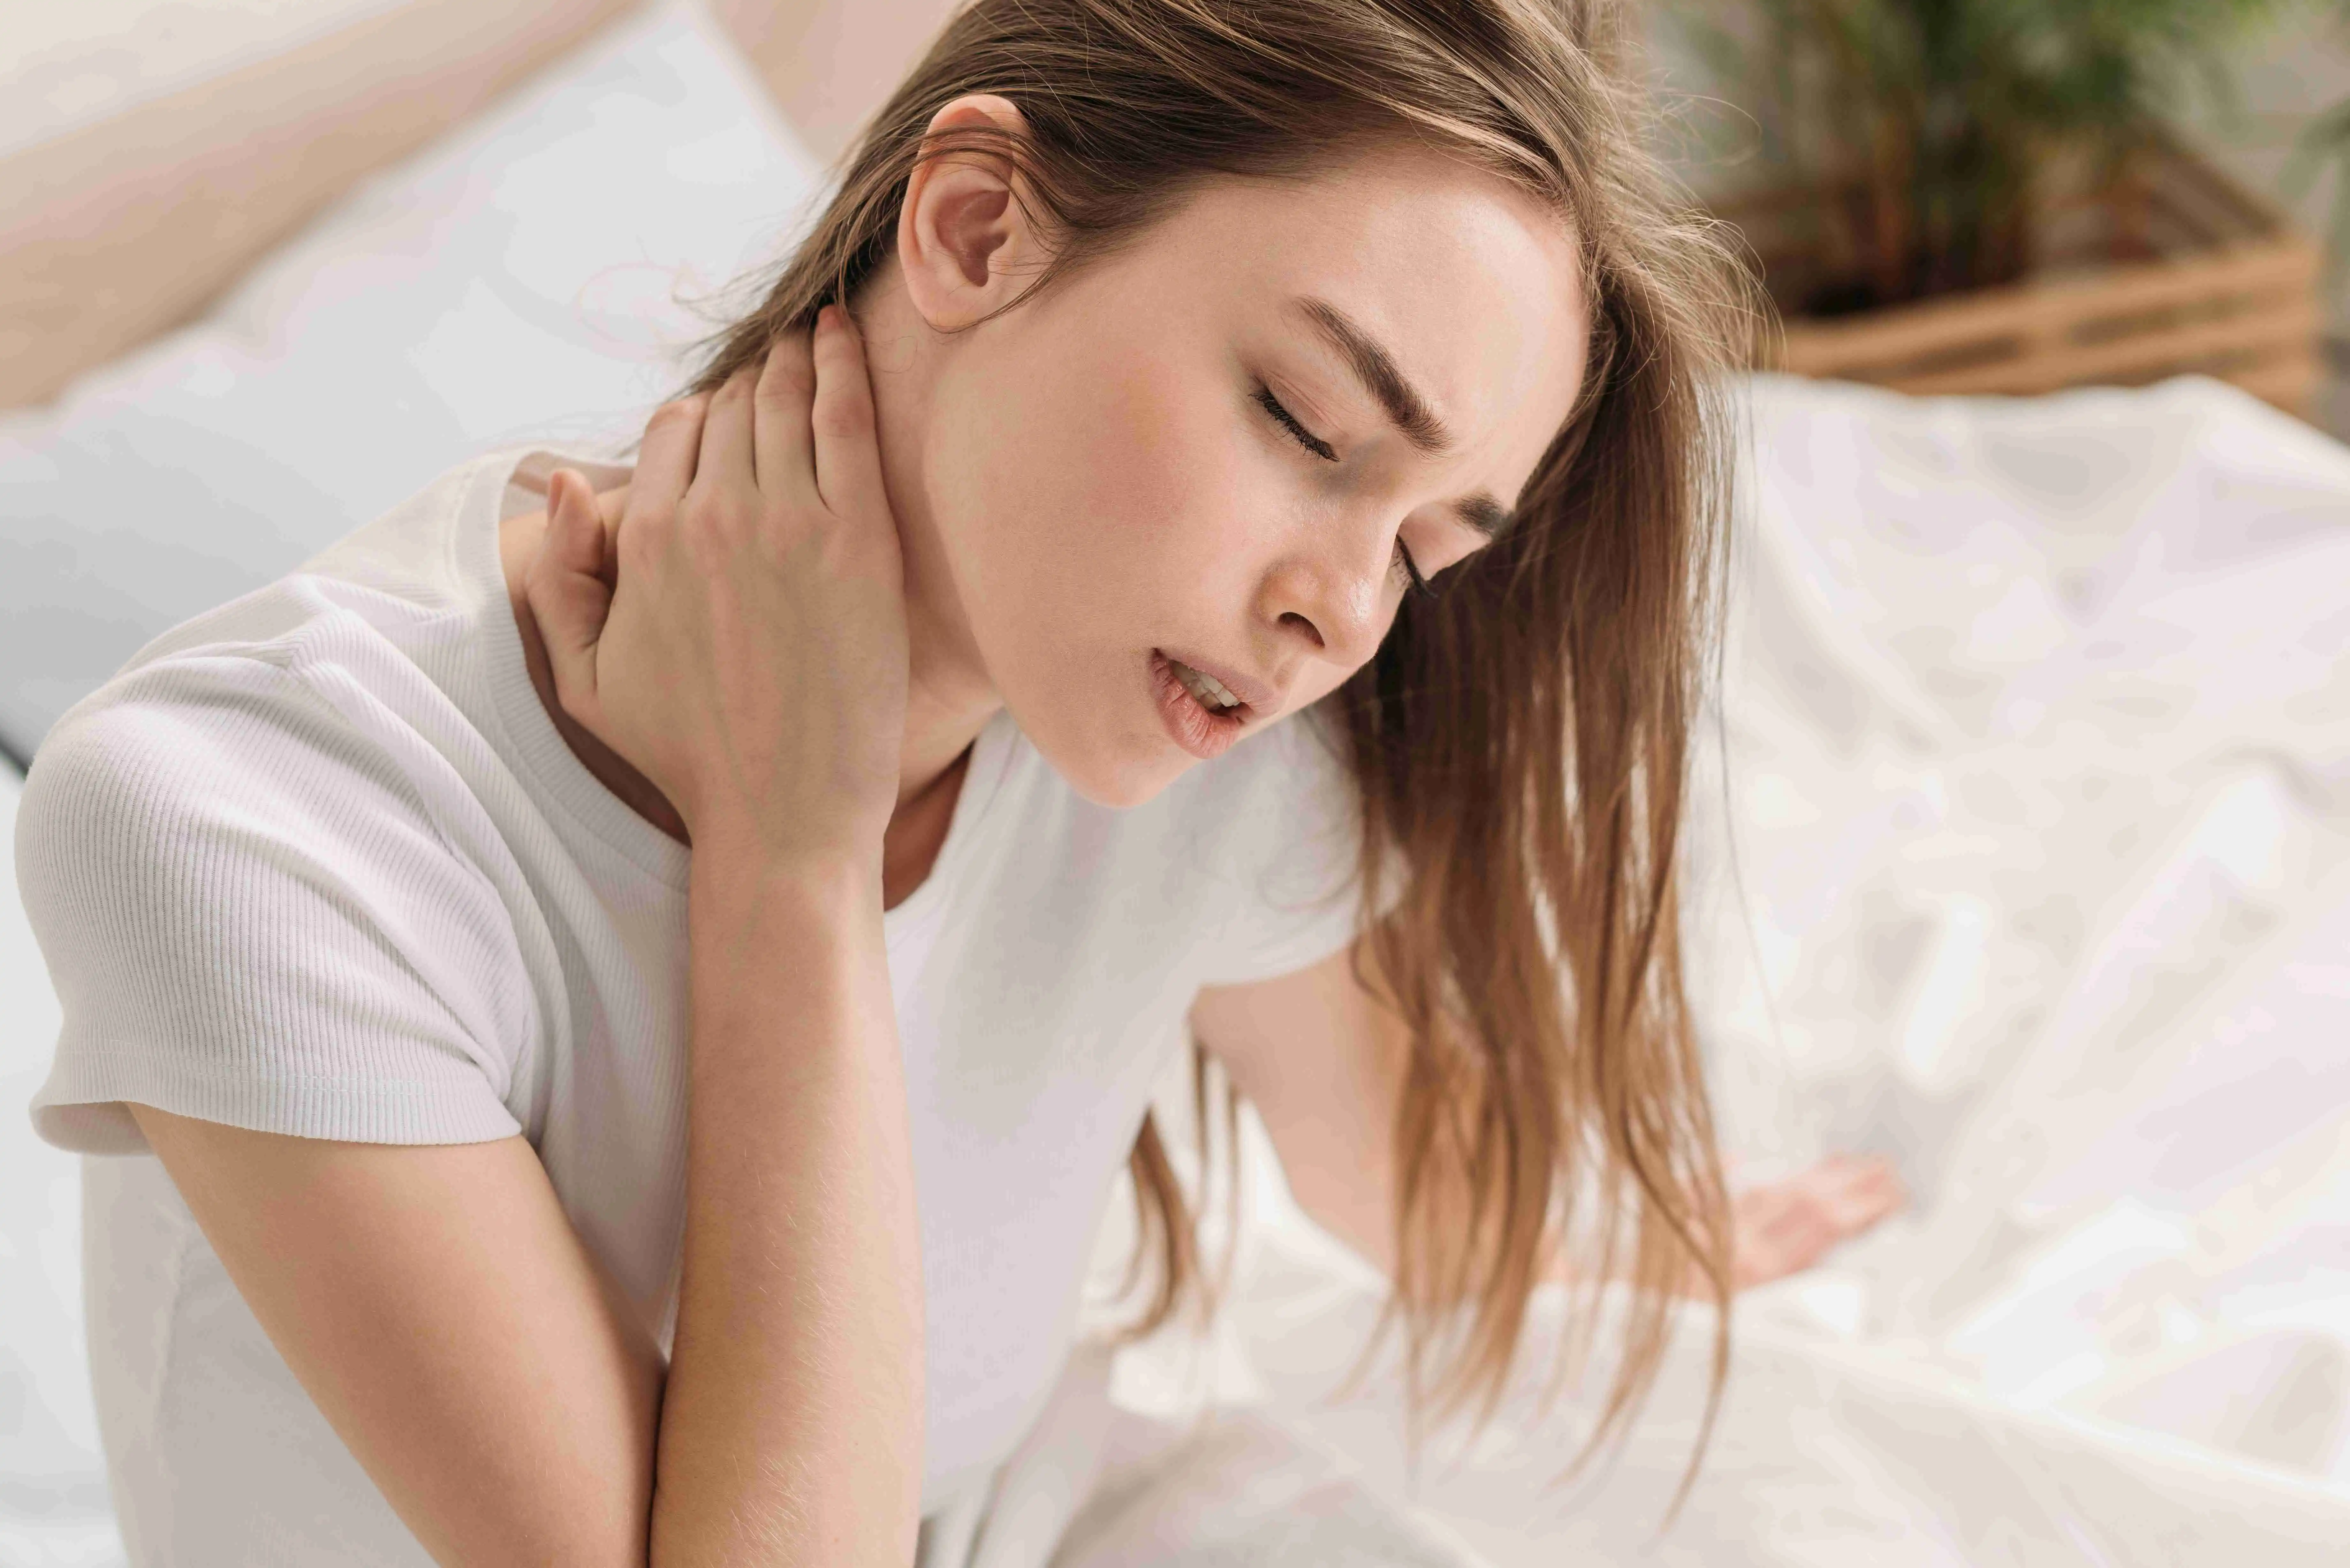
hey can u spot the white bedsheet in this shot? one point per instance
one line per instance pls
(2039, 759)
(2039, 766)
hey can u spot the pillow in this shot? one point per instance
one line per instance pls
(147, 163)
(533, 275)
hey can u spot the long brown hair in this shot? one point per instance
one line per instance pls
(1522, 742)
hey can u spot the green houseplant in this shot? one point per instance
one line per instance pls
(1937, 134)
(2326, 142)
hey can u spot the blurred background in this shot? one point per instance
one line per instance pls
(1985, 196)
(2021, 849)
(1774, 95)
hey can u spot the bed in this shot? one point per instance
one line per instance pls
(2038, 752)
(2022, 856)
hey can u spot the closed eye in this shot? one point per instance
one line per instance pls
(1404, 564)
(1288, 421)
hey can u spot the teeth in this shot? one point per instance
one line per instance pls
(1211, 692)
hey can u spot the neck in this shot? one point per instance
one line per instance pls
(950, 698)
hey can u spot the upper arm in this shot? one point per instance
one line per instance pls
(437, 1307)
(278, 972)
(252, 915)
(1322, 1060)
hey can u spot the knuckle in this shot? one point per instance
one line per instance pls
(783, 387)
(789, 365)
(843, 418)
(713, 515)
(835, 356)
(634, 552)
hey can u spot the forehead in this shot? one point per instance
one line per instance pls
(1472, 284)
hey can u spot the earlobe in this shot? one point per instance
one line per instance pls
(964, 244)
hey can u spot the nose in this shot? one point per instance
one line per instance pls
(1331, 592)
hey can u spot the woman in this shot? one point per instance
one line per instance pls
(891, 733)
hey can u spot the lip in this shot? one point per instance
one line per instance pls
(1256, 697)
(1205, 735)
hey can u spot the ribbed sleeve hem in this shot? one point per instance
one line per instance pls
(81, 1108)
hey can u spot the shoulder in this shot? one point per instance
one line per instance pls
(328, 685)
(250, 915)
(223, 785)
(226, 728)
(253, 779)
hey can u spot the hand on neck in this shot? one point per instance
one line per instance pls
(951, 700)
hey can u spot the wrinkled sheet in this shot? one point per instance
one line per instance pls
(2038, 780)
(2037, 767)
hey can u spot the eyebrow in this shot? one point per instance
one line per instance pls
(1405, 408)
(1376, 369)
(1484, 513)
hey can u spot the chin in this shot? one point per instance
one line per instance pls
(1117, 784)
(1115, 772)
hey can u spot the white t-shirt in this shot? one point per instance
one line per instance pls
(317, 862)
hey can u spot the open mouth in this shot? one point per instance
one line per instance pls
(1200, 713)
(1206, 689)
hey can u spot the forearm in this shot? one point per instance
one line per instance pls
(792, 1420)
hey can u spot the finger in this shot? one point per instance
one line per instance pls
(783, 448)
(1795, 1243)
(847, 453)
(1853, 1200)
(1759, 1206)
(1861, 1183)
(1858, 1208)
(1802, 1226)
(1844, 1174)
(725, 462)
(1828, 1220)
(612, 510)
(566, 589)
(667, 457)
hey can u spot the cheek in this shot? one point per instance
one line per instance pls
(1321, 679)
(1148, 470)
(1123, 490)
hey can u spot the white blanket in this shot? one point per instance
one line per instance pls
(2038, 716)
(2039, 773)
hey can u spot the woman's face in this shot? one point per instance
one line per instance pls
(1210, 445)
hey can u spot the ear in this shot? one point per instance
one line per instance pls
(965, 246)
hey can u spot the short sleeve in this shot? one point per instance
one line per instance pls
(1291, 842)
(250, 918)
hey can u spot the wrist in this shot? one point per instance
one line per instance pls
(762, 844)
(742, 869)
